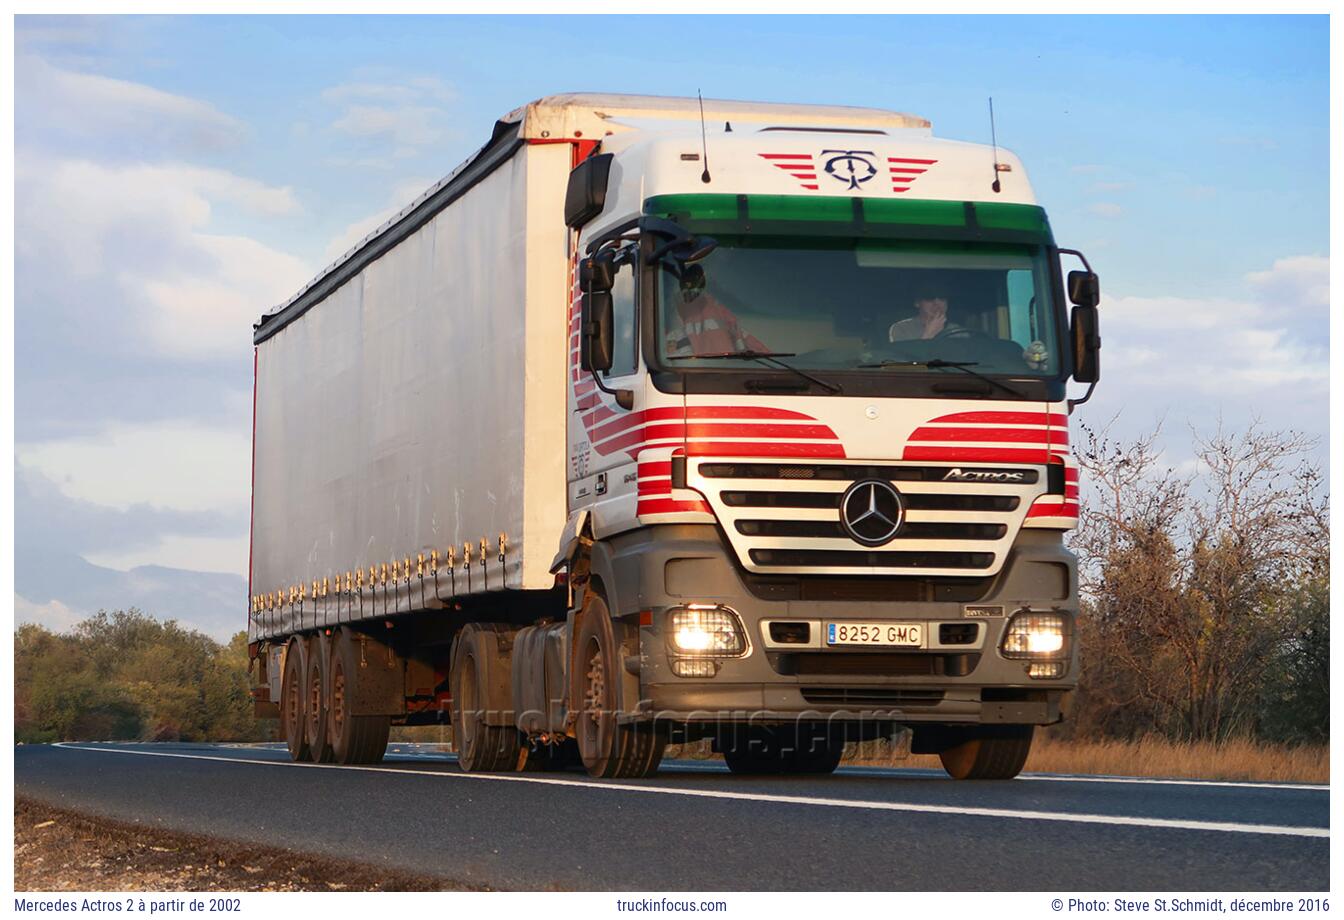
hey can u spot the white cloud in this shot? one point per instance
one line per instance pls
(1168, 346)
(54, 615)
(412, 90)
(180, 465)
(198, 554)
(404, 115)
(145, 229)
(1106, 209)
(71, 103)
(1299, 282)
(1198, 359)
(407, 127)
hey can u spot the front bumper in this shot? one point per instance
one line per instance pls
(660, 568)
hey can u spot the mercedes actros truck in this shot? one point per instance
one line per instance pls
(661, 420)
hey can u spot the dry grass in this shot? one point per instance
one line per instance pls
(1151, 756)
(1237, 759)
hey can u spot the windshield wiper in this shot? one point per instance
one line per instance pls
(768, 358)
(959, 365)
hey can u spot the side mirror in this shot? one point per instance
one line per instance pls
(597, 273)
(1084, 288)
(595, 331)
(1086, 338)
(586, 194)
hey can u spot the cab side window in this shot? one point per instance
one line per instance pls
(625, 340)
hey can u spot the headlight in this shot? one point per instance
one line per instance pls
(706, 632)
(1036, 635)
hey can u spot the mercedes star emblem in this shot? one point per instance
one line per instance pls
(871, 511)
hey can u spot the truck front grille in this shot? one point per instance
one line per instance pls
(784, 518)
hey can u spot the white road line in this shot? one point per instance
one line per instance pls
(683, 766)
(1114, 820)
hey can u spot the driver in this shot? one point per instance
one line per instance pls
(707, 326)
(930, 319)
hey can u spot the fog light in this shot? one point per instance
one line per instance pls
(706, 632)
(695, 667)
(1036, 635)
(1046, 670)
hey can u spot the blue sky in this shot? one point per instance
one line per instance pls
(177, 176)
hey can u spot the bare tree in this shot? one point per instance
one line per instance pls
(1190, 581)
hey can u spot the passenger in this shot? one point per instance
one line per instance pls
(706, 327)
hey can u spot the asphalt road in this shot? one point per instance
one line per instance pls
(697, 827)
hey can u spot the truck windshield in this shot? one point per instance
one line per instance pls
(872, 306)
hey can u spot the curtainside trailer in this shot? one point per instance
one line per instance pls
(660, 420)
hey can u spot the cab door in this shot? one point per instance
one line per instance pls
(604, 436)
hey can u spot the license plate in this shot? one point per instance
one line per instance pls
(906, 635)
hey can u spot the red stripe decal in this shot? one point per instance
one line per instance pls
(1040, 436)
(976, 454)
(1054, 509)
(763, 449)
(910, 160)
(669, 506)
(1007, 418)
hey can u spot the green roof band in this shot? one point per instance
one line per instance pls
(989, 215)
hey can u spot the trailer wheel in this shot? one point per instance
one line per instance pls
(291, 701)
(781, 751)
(997, 752)
(315, 700)
(354, 739)
(608, 748)
(480, 746)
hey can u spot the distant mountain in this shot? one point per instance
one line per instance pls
(213, 603)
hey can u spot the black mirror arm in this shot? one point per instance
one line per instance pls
(1086, 396)
(624, 398)
(1082, 258)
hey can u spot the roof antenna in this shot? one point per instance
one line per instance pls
(704, 143)
(993, 140)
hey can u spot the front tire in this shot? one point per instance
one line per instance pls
(608, 748)
(991, 753)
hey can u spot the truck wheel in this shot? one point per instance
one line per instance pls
(480, 746)
(997, 752)
(354, 739)
(763, 751)
(291, 701)
(608, 748)
(315, 700)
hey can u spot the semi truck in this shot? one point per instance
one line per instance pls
(666, 419)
